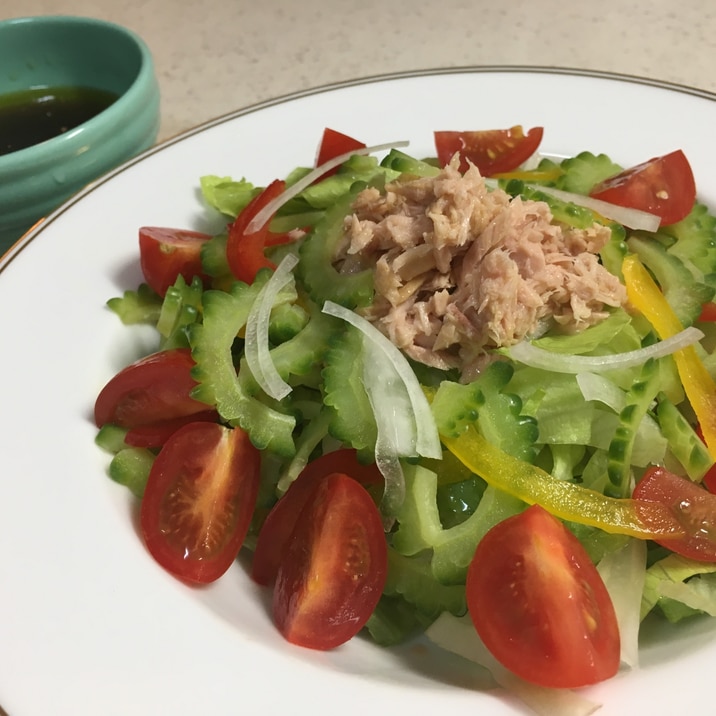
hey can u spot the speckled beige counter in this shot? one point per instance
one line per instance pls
(214, 56)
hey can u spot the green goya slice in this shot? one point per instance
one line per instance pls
(140, 306)
(181, 308)
(686, 446)
(484, 402)
(298, 355)
(131, 467)
(684, 292)
(225, 315)
(352, 420)
(316, 271)
(638, 400)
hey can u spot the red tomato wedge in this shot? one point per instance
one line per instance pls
(165, 253)
(244, 250)
(344, 460)
(277, 528)
(492, 151)
(664, 186)
(199, 499)
(155, 435)
(153, 389)
(334, 568)
(539, 604)
(694, 507)
(333, 144)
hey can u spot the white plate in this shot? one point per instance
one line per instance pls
(89, 624)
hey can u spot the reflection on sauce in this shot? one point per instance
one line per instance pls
(36, 115)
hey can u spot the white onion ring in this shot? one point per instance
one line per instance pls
(256, 347)
(525, 352)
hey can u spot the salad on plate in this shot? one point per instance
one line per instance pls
(468, 398)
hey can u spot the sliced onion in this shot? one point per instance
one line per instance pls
(525, 352)
(690, 593)
(601, 389)
(273, 206)
(404, 420)
(631, 218)
(623, 573)
(427, 441)
(390, 401)
(256, 348)
(396, 428)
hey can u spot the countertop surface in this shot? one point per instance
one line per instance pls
(215, 57)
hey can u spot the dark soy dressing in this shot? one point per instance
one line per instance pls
(36, 115)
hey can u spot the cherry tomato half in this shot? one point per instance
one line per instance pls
(153, 389)
(539, 604)
(334, 568)
(199, 499)
(664, 186)
(278, 526)
(333, 144)
(694, 507)
(492, 151)
(155, 435)
(165, 253)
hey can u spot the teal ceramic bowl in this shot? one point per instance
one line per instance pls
(63, 52)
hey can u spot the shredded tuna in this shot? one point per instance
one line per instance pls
(461, 270)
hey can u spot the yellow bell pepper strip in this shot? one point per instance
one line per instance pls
(566, 500)
(700, 388)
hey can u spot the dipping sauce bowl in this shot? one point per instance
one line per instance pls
(78, 97)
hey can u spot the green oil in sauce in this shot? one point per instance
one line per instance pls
(35, 115)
